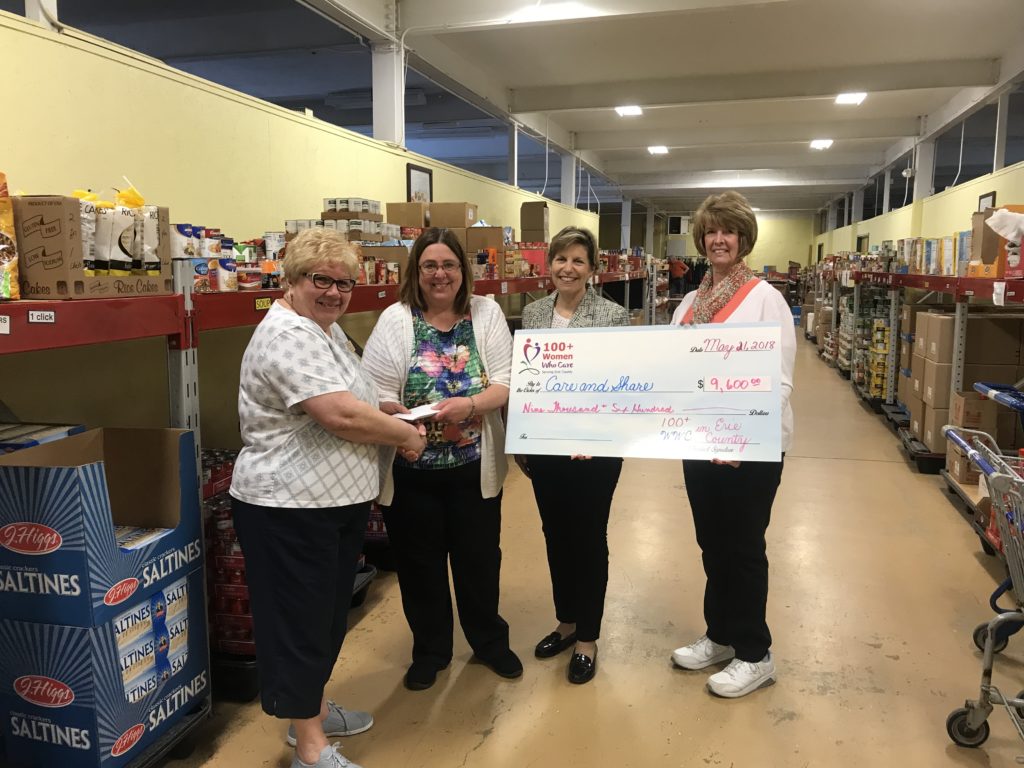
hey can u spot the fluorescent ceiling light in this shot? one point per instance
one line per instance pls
(755, 209)
(821, 143)
(629, 111)
(555, 12)
(658, 150)
(850, 98)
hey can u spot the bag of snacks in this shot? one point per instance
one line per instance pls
(8, 246)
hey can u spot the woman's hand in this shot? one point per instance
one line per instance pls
(579, 456)
(391, 408)
(455, 409)
(523, 464)
(733, 464)
(412, 447)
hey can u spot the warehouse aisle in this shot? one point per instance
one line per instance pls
(877, 582)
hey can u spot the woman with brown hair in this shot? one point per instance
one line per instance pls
(732, 501)
(443, 347)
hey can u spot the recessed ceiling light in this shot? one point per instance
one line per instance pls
(658, 150)
(821, 143)
(755, 209)
(631, 111)
(850, 98)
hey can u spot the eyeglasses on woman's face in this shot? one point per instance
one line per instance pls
(324, 282)
(429, 268)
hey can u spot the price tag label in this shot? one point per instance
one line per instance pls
(381, 294)
(5, 325)
(47, 317)
(263, 303)
(504, 287)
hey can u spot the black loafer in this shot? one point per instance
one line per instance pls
(553, 644)
(421, 675)
(582, 668)
(505, 664)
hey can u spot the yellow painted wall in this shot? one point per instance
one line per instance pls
(88, 111)
(781, 238)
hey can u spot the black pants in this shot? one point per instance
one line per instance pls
(731, 510)
(300, 565)
(437, 515)
(575, 498)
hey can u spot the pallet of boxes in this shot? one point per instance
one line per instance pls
(993, 353)
(103, 627)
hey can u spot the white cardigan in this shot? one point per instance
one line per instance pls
(764, 304)
(388, 355)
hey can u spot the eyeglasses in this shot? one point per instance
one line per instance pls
(324, 282)
(429, 268)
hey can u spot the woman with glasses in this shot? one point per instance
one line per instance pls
(574, 494)
(302, 487)
(445, 348)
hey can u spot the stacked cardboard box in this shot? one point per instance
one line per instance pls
(971, 411)
(104, 622)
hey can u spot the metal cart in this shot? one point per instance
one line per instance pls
(968, 725)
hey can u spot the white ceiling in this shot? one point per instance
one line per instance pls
(735, 88)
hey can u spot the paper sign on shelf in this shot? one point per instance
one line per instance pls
(672, 392)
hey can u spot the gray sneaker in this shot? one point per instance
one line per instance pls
(340, 722)
(330, 757)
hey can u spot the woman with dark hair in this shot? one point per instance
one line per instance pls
(442, 346)
(732, 501)
(574, 494)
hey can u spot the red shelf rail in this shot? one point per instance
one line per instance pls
(27, 326)
(959, 287)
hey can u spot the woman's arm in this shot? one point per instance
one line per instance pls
(347, 417)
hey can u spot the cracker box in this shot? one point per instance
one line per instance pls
(61, 505)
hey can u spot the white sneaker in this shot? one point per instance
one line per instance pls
(701, 653)
(743, 677)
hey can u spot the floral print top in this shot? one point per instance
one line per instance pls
(444, 364)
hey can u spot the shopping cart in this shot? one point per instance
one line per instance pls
(968, 725)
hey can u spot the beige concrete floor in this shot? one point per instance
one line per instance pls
(877, 582)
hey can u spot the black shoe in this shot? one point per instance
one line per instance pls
(421, 675)
(582, 668)
(553, 644)
(505, 664)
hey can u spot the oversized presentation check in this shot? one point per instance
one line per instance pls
(668, 392)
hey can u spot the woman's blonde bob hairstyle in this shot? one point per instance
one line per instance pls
(730, 211)
(318, 247)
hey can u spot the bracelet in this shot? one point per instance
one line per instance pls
(472, 408)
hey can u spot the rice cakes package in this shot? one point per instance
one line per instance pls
(8, 246)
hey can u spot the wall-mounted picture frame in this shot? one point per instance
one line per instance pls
(419, 184)
(988, 200)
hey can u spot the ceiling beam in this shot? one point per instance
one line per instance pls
(748, 86)
(423, 16)
(370, 19)
(890, 128)
(681, 161)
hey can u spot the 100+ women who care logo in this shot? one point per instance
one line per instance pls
(549, 356)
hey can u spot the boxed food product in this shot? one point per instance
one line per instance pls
(409, 214)
(482, 238)
(971, 410)
(9, 287)
(533, 221)
(917, 369)
(959, 467)
(52, 266)
(988, 250)
(931, 430)
(916, 408)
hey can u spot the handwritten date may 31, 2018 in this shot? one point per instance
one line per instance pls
(718, 347)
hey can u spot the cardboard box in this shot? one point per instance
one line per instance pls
(409, 214)
(49, 239)
(934, 420)
(533, 217)
(1008, 432)
(988, 250)
(971, 410)
(481, 238)
(59, 560)
(959, 467)
(906, 353)
(940, 333)
(460, 235)
(993, 340)
(936, 384)
(904, 387)
(534, 236)
(917, 376)
(921, 333)
(916, 408)
(80, 697)
(452, 215)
